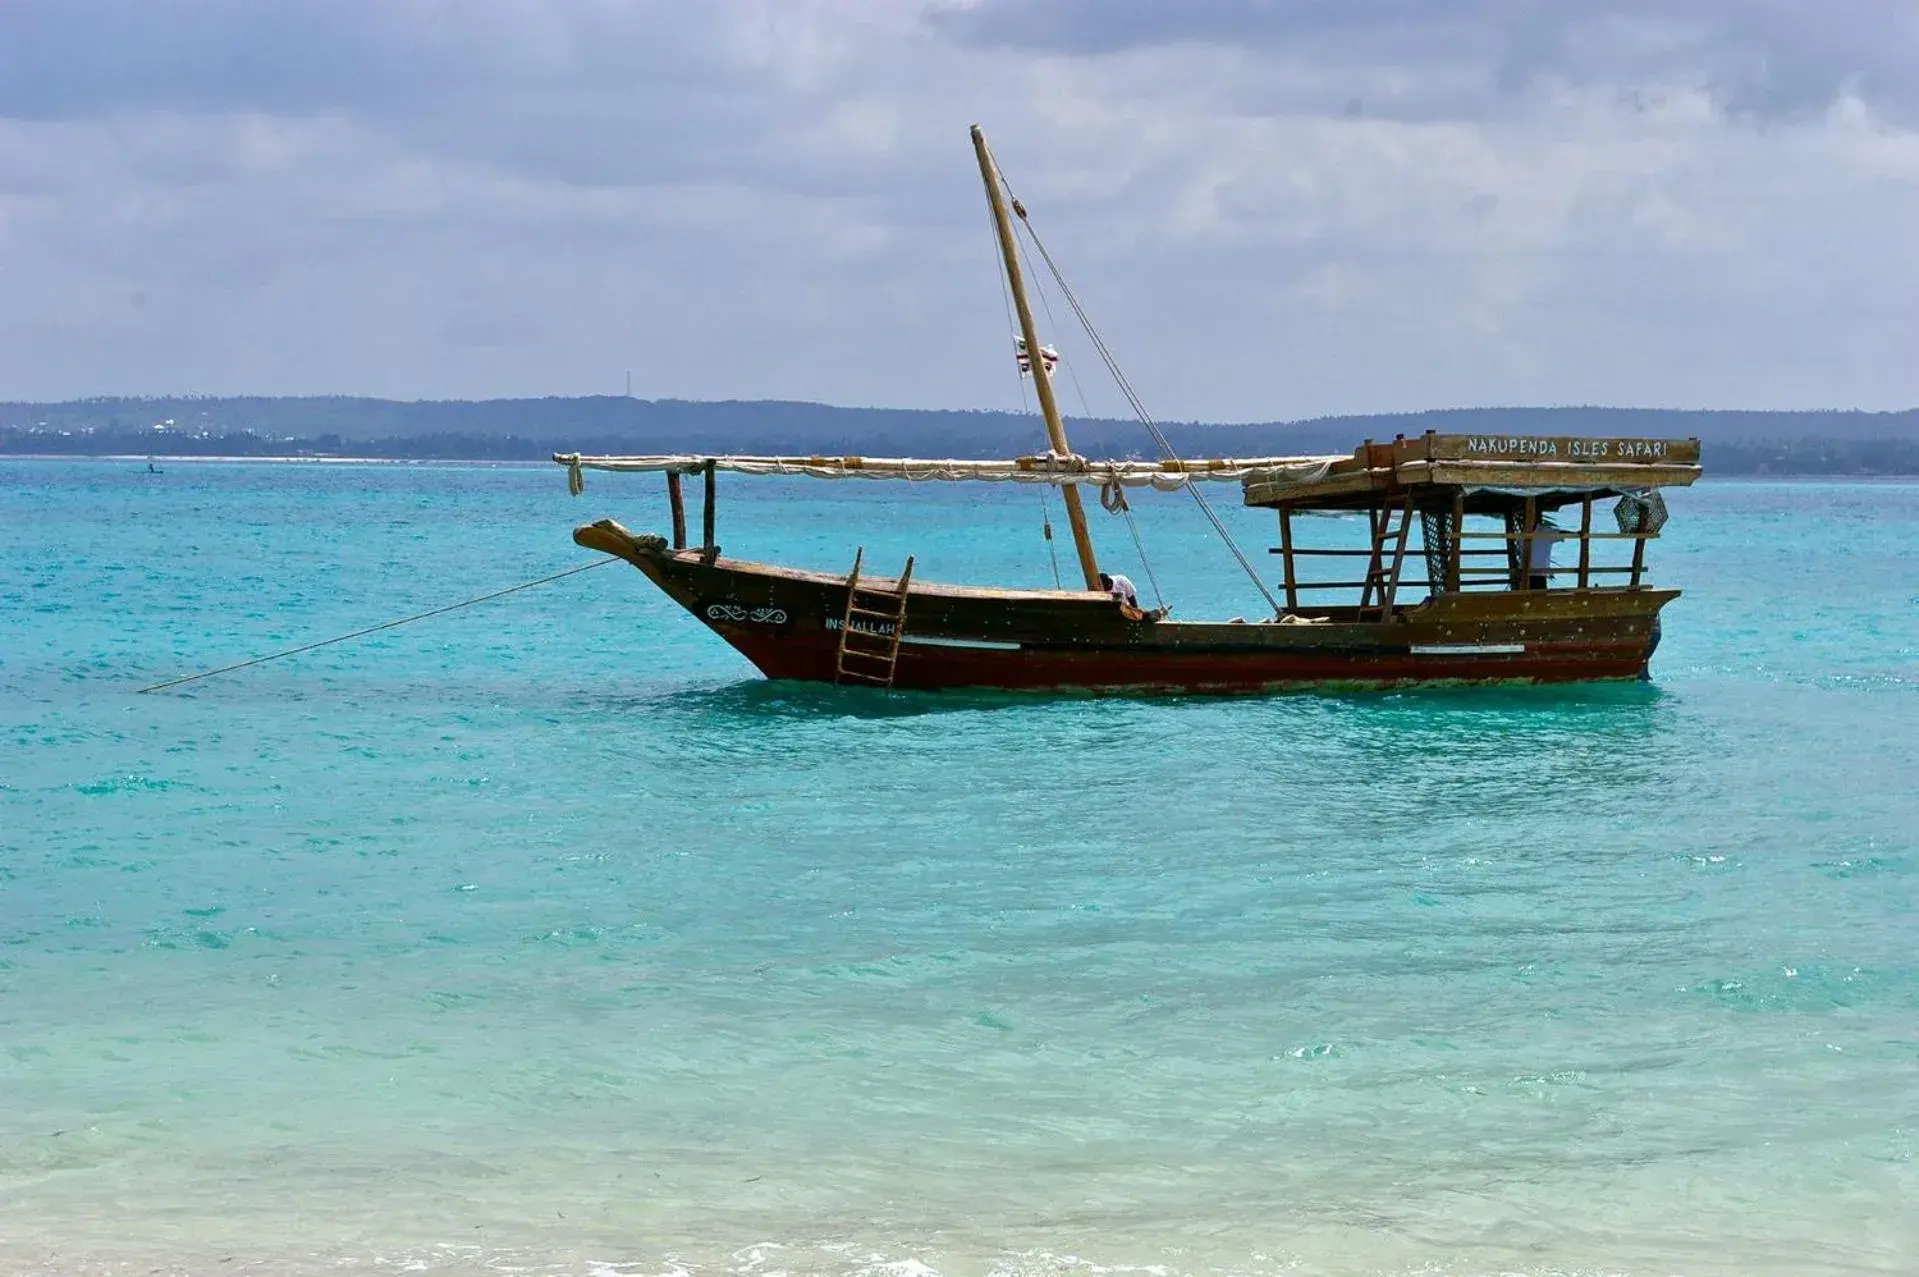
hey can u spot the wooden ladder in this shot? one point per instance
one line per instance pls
(870, 656)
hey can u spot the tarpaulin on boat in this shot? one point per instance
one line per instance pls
(1047, 468)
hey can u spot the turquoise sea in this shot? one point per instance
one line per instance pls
(544, 937)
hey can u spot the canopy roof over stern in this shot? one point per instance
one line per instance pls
(1491, 470)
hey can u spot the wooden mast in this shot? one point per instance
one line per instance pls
(1048, 407)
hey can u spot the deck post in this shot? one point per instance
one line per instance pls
(678, 502)
(706, 516)
(1286, 555)
(1531, 517)
(1639, 548)
(1375, 566)
(1585, 542)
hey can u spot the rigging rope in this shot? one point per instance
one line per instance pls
(1118, 504)
(1133, 399)
(1045, 510)
(1132, 526)
(374, 629)
(1046, 531)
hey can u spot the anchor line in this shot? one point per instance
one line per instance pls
(374, 629)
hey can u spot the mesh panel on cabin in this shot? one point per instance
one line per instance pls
(1436, 530)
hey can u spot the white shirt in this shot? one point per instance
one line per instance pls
(1122, 589)
(1542, 554)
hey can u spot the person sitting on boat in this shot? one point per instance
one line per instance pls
(1540, 564)
(1120, 588)
(1128, 599)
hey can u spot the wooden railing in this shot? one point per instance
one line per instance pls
(1390, 529)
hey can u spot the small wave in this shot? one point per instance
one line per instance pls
(1789, 988)
(132, 784)
(1864, 866)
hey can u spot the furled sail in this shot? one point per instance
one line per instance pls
(1047, 468)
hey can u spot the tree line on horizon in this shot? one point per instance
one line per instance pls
(1737, 442)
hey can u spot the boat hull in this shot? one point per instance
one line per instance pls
(786, 622)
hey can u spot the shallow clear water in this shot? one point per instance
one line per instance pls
(546, 937)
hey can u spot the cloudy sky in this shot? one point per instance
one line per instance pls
(1274, 208)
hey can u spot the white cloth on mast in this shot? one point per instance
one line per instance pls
(1046, 353)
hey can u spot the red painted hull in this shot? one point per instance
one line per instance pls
(786, 623)
(1217, 672)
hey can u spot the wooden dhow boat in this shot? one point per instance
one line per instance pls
(1455, 581)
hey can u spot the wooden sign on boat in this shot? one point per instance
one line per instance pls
(1475, 597)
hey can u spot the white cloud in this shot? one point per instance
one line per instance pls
(1275, 210)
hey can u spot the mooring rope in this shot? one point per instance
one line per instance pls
(374, 629)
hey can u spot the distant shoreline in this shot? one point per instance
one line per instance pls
(161, 460)
(508, 431)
